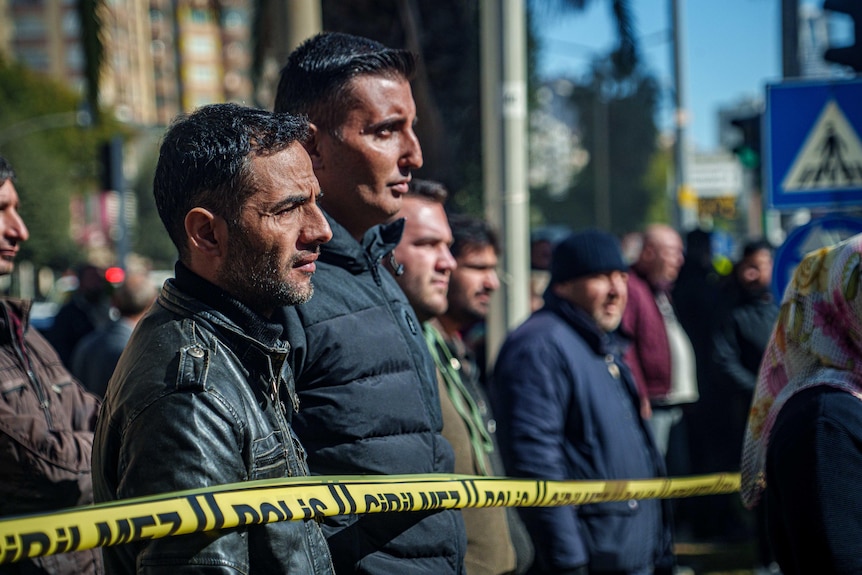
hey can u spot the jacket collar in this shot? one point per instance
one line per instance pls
(251, 337)
(252, 324)
(19, 307)
(345, 252)
(599, 341)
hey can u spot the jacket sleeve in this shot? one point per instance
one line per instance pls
(531, 395)
(184, 441)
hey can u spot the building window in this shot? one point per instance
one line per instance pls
(71, 24)
(74, 57)
(29, 28)
(201, 46)
(232, 19)
(35, 59)
(200, 16)
(202, 74)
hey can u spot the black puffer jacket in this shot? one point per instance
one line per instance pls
(201, 397)
(369, 405)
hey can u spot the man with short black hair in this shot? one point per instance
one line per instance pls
(203, 395)
(497, 543)
(364, 375)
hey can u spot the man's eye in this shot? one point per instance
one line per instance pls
(287, 209)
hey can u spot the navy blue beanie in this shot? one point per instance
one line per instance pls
(586, 253)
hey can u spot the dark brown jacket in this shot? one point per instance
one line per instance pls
(46, 436)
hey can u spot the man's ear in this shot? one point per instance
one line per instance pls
(206, 232)
(312, 146)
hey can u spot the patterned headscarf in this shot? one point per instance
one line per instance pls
(817, 340)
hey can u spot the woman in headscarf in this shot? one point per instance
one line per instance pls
(802, 455)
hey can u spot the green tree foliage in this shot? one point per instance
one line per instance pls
(52, 164)
(628, 123)
(150, 239)
(54, 157)
(657, 181)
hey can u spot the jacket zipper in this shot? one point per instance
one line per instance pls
(44, 403)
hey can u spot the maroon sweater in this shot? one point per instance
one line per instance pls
(649, 355)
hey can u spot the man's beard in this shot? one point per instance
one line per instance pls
(257, 279)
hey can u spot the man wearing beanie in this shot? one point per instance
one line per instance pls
(567, 409)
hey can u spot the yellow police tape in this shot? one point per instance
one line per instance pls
(265, 501)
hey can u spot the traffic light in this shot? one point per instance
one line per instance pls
(847, 55)
(748, 150)
(112, 164)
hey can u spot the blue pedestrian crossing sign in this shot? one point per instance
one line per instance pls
(812, 146)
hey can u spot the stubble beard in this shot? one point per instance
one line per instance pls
(257, 278)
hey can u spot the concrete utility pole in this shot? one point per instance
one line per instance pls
(686, 200)
(601, 162)
(303, 19)
(504, 158)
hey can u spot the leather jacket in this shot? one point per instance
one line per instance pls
(46, 436)
(202, 396)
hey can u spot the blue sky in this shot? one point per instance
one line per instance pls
(732, 50)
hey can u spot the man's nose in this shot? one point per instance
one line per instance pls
(492, 281)
(317, 231)
(15, 227)
(446, 261)
(411, 157)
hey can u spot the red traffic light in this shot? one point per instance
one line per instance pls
(115, 275)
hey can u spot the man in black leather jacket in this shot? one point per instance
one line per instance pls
(202, 394)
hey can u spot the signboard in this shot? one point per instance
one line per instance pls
(818, 233)
(724, 208)
(715, 176)
(812, 145)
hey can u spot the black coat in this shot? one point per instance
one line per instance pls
(813, 466)
(741, 336)
(369, 405)
(739, 340)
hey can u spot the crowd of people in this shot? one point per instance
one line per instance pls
(330, 334)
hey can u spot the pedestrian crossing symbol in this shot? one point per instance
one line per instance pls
(830, 158)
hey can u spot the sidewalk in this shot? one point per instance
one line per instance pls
(708, 558)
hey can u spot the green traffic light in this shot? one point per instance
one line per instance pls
(748, 157)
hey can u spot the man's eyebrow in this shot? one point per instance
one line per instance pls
(396, 120)
(296, 199)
